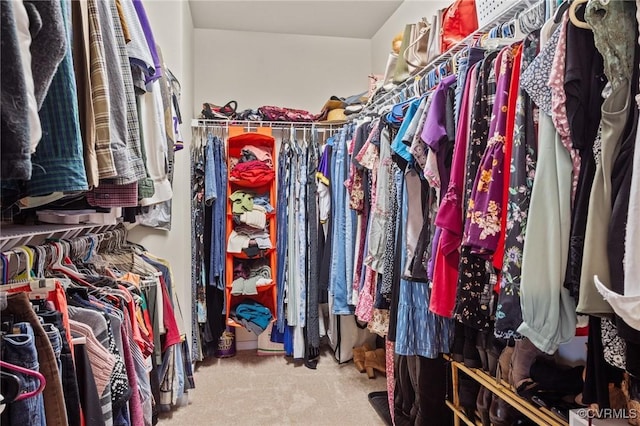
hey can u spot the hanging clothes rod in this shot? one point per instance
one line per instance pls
(417, 84)
(198, 122)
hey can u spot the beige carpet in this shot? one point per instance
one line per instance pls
(256, 390)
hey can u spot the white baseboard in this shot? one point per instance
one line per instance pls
(247, 345)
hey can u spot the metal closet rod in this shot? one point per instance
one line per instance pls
(197, 122)
(402, 91)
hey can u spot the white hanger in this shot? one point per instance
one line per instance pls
(574, 18)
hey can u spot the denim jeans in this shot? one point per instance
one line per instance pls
(301, 228)
(19, 306)
(216, 180)
(281, 229)
(66, 363)
(338, 281)
(292, 287)
(20, 349)
(56, 342)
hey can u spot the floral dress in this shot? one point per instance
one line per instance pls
(473, 278)
(523, 165)
(485, 207)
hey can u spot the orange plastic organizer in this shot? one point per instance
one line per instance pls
(267, 294)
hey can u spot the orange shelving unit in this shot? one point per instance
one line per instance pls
(267, 294)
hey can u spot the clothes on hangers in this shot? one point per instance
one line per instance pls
(111, 310)
(100, 116)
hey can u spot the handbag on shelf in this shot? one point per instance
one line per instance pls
(424, 46)
(401, 71)
(458, 21)
(214, 112)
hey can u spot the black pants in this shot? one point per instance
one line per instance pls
(421, 391)
(89, 398)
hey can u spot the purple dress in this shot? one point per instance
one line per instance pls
(485, 206)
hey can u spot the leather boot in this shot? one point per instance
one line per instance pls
(458, 343)
(501, 413)
(504, 364)
(483, 403)
(470, 351)
(468, 390)
(550, 376)
(358, 357)
(481, 345)
(375, 361)
(524, 355)
(495, 347)
(631, 390)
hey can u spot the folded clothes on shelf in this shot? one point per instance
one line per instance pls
(259, 153)
(263, 200)
(254, 173)
(241, 201)
(253, 315)
(253, 268)
(256, 218)
(248, 286)
(239, 241)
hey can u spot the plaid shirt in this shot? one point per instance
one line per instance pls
(133, 129)
(58, 164)
(111, 194)
(80, 14)
(100, 95)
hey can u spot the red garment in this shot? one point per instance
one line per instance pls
(173, 334)
(450, 219)
(498, 256)
(252, 174)
(146, 346)
(445, 273)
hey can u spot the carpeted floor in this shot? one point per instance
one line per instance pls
(273, 390)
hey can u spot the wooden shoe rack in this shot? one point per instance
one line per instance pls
(538, 415)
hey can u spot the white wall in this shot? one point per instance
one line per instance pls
(173, 31)
(410, 11)
(295, 71)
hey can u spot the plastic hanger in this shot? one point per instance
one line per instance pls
(574, 18)
(59, 267)
(10, 387)
(27, 372)
(557, 18)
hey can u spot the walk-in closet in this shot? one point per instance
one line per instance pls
(389, 212)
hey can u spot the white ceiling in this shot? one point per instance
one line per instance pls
(354, 19)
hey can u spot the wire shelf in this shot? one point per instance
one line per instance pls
(509, 11)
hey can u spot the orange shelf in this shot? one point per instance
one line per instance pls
(269, 215)
(233, 323)
(265, 253)
(260, 288)
(267, 295)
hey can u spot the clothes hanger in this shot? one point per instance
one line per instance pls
(58, 266)
(574, 18)
(10, 386)
(557, 18)
(27, 372)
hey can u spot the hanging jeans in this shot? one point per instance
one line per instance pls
(20, 349)
(338, 281)
(281, 230)
(19, 306)
(68, 370)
